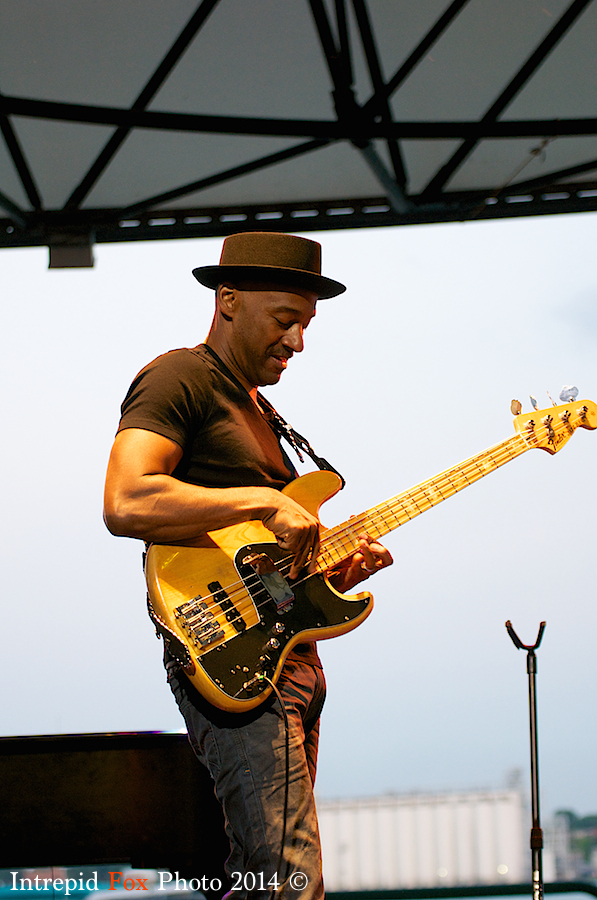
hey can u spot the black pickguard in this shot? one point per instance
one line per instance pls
(315, 608)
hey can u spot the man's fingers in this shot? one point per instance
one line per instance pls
(307, 553)
(297, 531)
(375, 556)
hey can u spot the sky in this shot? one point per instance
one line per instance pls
(410, 372)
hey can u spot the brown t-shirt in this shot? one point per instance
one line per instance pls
(190, 397)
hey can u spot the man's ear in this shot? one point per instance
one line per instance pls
(226, 300)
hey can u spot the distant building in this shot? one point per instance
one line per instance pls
(425, 840)
(572, 841)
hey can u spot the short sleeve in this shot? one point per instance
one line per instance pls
(169, 397)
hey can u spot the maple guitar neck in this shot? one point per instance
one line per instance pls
(547, 430)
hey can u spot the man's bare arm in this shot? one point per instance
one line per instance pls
(143, 500)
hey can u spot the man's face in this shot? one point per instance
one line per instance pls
(267, 325)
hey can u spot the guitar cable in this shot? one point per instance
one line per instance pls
(287, 780)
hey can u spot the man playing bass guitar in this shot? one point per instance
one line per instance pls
(196, 451)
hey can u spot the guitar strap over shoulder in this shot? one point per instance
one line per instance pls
(298, 443)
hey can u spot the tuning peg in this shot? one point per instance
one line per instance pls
(533, 401)
(516, 407)
(568, 393)
(553, 402)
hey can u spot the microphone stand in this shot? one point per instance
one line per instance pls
(536, 832)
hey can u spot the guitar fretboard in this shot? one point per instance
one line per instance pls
(340, 542)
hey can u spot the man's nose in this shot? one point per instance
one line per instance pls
(294, 338)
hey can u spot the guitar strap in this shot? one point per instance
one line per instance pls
(298, 443)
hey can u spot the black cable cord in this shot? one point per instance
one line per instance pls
(286, 786)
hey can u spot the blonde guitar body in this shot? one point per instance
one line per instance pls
(227, 609)
(220, 609)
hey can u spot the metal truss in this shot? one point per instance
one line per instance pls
(363, 126)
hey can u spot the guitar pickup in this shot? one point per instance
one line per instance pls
(223, 600)
(274, 583)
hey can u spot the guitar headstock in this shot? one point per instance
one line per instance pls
(550, 428)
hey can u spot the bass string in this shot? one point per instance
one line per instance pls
(400, 508)
(347, 534)
(445, 484)
(396, 507)
(240, 588)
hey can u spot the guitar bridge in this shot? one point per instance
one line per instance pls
(199, 622)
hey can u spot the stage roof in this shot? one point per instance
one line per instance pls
(150, 119)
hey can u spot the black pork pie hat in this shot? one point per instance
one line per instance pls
(272, 257)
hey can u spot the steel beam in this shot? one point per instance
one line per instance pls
(18, 157)
(507, 95)
(173, 56)
(329, 130)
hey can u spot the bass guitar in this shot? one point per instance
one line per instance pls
(227, 609)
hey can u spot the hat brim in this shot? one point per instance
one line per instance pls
(325, 288)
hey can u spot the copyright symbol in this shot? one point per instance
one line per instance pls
(298, 881)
